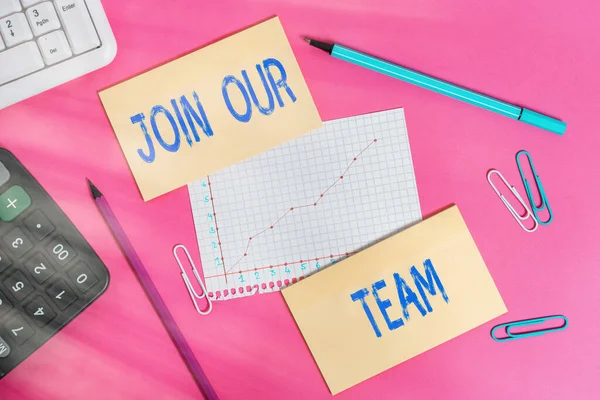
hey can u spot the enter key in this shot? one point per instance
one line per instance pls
(78, 25)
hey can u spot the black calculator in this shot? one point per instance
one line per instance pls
(48, 271)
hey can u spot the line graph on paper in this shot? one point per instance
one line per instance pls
(291, 211)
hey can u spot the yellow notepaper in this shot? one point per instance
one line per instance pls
(210, 109)
(394, 300)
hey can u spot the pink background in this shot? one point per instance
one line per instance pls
(540, 54)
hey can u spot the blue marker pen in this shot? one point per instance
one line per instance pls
(416, 78)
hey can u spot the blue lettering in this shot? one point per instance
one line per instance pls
(153, 114)
(411, 297)
(191, 116)
(184, 128)
(432, 277)
(281, 83)
(406, 295)
(384, 305)
(264, 110)
(240, 117)
(360, 295)
(139, 118)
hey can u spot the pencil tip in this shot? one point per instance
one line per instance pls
(95, 192)
(307, 40)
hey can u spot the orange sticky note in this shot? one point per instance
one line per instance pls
(211, 108)
(394, 300)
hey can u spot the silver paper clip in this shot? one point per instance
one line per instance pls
(194, 296)
(518, 217)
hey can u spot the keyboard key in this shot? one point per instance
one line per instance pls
(15, 200)
(61, 294)
(20, 61)
(5, 306)
(40, 311)
(2, 46)
(8, 7)
(4, 261)
(38, 225)
(78, 25)
(28, 3)
(42, 18)
(17, 242)
(60, 251)
(15, 29)
(18, 286)
(4, 348)
(55, 47)
(4, 174)
(18, 330)
(82, 277)
(39, 268)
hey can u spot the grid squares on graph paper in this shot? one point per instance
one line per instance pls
(291, 211)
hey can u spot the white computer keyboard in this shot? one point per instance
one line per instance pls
(46, 43)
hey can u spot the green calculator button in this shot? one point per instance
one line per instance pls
(13, 202)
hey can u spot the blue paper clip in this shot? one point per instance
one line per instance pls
(538, 183)
(527, 322)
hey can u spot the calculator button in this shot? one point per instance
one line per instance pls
(4, 261)
(42, 18)
(15, 29)
(18, 330)
(38, 225)
(17, 242)
(78, 25)
(60, 251)
(14, 200)
(61, 294)
(4, 348)
(4, 305)
(82, 277)
(55, 47)
(39, 268)
(18, 286)
(40, 311)
(4, 174)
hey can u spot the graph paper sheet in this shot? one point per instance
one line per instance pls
(287, 213)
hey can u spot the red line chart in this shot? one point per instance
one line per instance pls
(274, 224)
(287, 264)
(217, 226)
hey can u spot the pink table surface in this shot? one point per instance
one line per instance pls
(540, 54)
